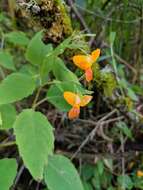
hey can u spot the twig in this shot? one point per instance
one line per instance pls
(102, 123)
(38, 186)
(103, 134)
(19, 175)
(110, 19)
(81, 19)
(7, 144)
(88, 157)
(40, 102)
(78, 15)
(92, 133)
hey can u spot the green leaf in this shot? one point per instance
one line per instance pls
(37, 50)
(100, 167)
(6, 61)
(2, 17)
(138, 182)
(60, 174)
(112, 37)
(7, 116)
(125, 182)
(35, 140)
(16, 87)
(62, 73)
(132, 94)
(87, 185)
(96, 181)
(55, 94)
(62, 46)
(110, 188)
(87, 171)
(17, 38)
(124, 128)
(106, 179)
(109, 163)
(8, 168)
(137, 89)
(30, 70)
(46, 67)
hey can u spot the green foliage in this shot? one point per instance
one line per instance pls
(105, 80)
(33, 133)
(124, 129)
(8, 169)
(87, 171)
(124, 84)
(35, 140)
(125, 182)
(37, 50)
(60, 174)
(7, 116)
(108, 83)
(30, 70)
(138, 182)
(6, 61)
(61, 72)
(55, 93)
(95, 176)
(15, 87)
(17, 38)
(87, 185)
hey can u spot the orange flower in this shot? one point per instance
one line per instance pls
(85, 62)
(140, 173)
(76, 102)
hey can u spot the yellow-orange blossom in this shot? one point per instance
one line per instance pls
(140, 173)
(85, 62)
(76, 101)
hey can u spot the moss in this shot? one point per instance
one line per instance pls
(55, 20)
(108, 83)
(129, 103)
(124, 102)
(65, 18)
(105, 81)
(50, 15)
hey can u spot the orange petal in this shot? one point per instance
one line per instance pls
(95, 54)
(83, 61)
(74, 112)
(89, 74)
(72, 98)
(140, 173)
(85, 100)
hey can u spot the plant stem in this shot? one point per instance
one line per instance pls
(36, 97)
(40, 102)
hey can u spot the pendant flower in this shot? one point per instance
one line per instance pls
(76, 101)
(85, 63)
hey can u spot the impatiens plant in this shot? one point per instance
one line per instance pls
(34, 135)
